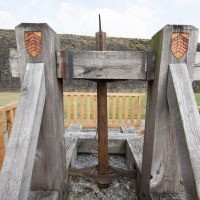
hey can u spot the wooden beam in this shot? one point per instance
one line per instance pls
(186, 127)
(158, 174)
(47, 195)
(120, 65)
(19, 159)
(49, 166)
(13, 62)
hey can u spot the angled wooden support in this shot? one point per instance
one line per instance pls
(38, 43)
(186, 127)
(172, 44)
(18, 164)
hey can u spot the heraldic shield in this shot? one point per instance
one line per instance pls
(179, 44)
(33, 43)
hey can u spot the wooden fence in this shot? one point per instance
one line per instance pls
(7, 114)
(123, 109)
(81, 108)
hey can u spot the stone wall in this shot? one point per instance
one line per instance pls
(75, 42)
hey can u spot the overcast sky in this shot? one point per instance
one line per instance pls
(120, 18)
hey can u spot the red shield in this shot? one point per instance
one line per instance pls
(33, 42)
(179, 44)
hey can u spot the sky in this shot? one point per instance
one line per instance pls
(120, 18)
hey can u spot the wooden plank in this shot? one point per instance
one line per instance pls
(139, 110)
(120, 110)
(82, 109)
(108, 108)
(197, 59)
(75, 108)
(49, 169)
(196, 75)
(108, 94)
(159, 143)
(134, 151)
(13, 62)
(133, 110)
(68, 109)
(128, 129)
(169, 196)
(61, 65)
(47, 195)
(126, 110)
(88, 109)
(74, 128)
(2, 143)
(70, 156)
(185, 125)
(120, 65)
(19, 159)
(114, 109)
(95, 110)
(9, 124)
(90, 145)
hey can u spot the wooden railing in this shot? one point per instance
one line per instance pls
(7, 114)
(123, 109)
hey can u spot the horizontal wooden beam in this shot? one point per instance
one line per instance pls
(112, 65)
(186, 127)
(19, 159)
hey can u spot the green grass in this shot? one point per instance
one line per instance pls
(8, 97)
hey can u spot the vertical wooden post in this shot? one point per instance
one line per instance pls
(2, 145)
(102, 120)
(160, 166)
(49, 166)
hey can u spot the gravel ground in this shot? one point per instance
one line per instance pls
(82, 189)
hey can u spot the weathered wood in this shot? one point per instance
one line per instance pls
(103, 48)
(102, 130)
(108, 64)
(19, 159)
(128, 129)
(197, 59)
(186, 127)
(2, 143)
(159, 144)
(49, 169)
(70, 156)
(62, 66)
(47, 195)
(134, 151)
(13, 62)
(74, 128)
(169, 196)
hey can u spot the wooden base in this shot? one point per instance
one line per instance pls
(103, 181)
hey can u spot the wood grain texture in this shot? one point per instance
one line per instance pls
(159, 143)
(186, 127)
(49, 169)
(169, 196)
(47, 195)
(2, 143)
(103, 41)
(108, 64)
(18, 164)
(13, 62)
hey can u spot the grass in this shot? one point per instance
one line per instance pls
(8, 97)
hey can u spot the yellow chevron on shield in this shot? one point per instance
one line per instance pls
(179, 44)
(33, 42)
